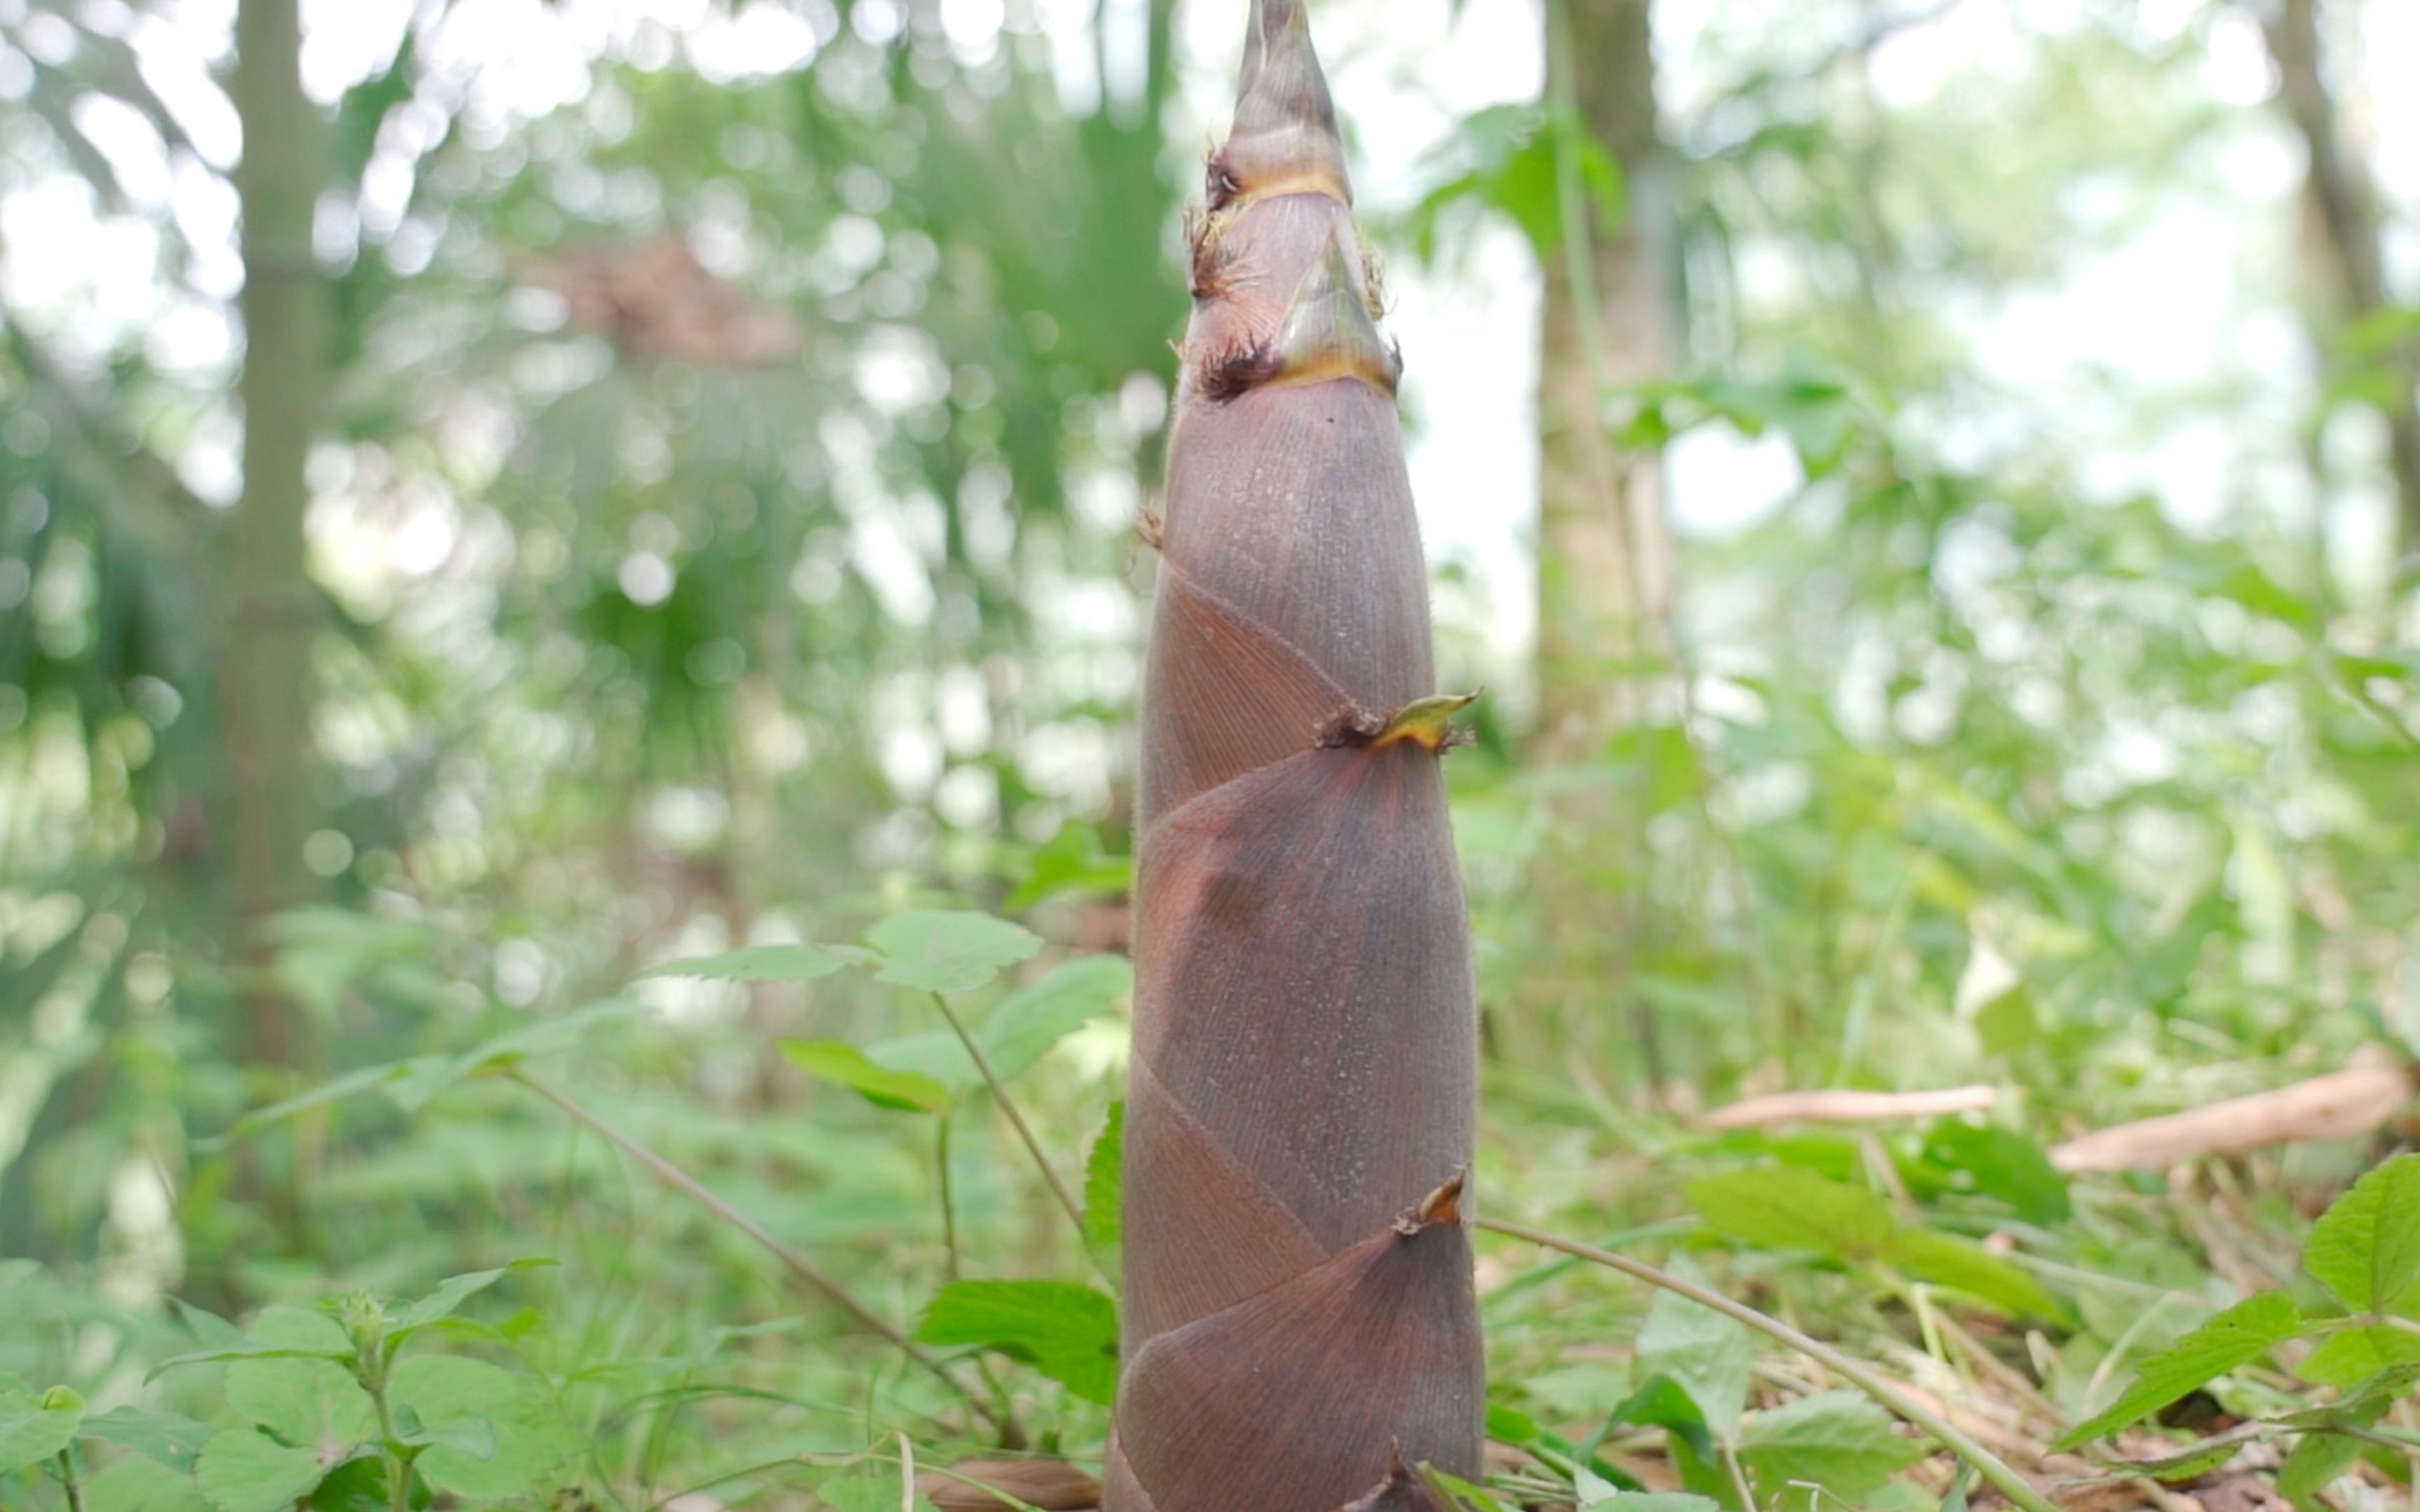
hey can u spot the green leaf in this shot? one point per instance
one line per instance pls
(2005, 1165)
(2365, 1248)
(34, 1426)
(531, 1439)
(245, 1469)
(169, 1437)
(1021, 1030)
(835, 1061)
(473, 1436)
(1664, 1403)
(1948, 1260)
(1652, 1501)
(1837, 1439)
(1104, 1220)
(2196, 1460)
(1067, 1332)
(135, 1484)
(945, 952)
(2355, 1354)
(1779, 1207)
(2243, 1333)
(760, 962)
(314, 1403)
(2313, 1465)
(451, 1293)
(1704, 1353)
(550, 1035)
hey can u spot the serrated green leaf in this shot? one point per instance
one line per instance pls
(136, 1484)
(34, 1426)
(314, 1403)
(1021, 1030)
(1784, 1209)
(945, 952)
(2242, 1334)
(171, 1439)
(531, 1439)
(1067, 1332)
(759, 963)
(451, 1293)
(2356, 1355)
(1837, 1440)
(1704, 1353)
(245, 1469)
(1104, 1173)
(2365, 1248)
(836, 1060)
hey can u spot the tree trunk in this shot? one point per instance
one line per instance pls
(2345, 201)
(1299, 1303)
(1605, 552)
(271, 606)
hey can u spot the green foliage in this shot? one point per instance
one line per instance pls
(834, 1060)
(1836, 1440)
(1067, 1332)
(34, 1426)
(2365, 1248)
(2242, 1334)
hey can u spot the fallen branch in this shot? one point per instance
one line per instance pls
(2342, 1105)
(1847, 1107)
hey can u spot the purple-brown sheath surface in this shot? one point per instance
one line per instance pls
(1298, 1307)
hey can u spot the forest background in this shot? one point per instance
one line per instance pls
(500, 496)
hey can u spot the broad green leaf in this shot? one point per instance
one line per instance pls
(34, 1426)
(1948, 1260)
(2313, 1465)
(136, 1484)
(1783, 1209)
(1704, 1353)
(173, 1439)
(943, 951)
(530, 1440)
(314, 1403)
(358, 1485)
(1662, 1402)
(1033, 1018)
(451, 1293)
(1073, 861)
(1068, 1332)
(2242, 1333)
(759, 963)
(249, 1349)
(2365, 1248)
(2004, 1165)
(300, 1329)
(1103, 1222)
(2356, 1355)
(1837, 1440)
(473, 1436)
(245, 1469)
(836, 1060)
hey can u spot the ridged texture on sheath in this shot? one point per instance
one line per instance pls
(1299, 1323)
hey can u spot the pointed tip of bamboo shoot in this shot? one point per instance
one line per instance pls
(1284, 140)
(1442, 1206)
(1328, 331)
